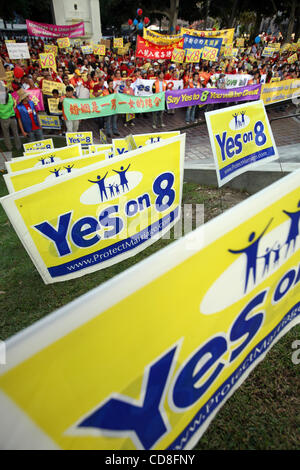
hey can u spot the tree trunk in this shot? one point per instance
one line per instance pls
(297, 25)
(256, 26)
(291, 21)
(232, 16)
(207, 3)
(173, 17)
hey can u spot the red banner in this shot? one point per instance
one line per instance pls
(150, 50)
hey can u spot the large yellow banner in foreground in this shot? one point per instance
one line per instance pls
(146, 360)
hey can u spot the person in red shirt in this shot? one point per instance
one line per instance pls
(27, 117)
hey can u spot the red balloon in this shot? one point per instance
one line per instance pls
(130, 22)
(18, 72)
(146, 20)
(140, 12)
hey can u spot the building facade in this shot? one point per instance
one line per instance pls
(67, 12)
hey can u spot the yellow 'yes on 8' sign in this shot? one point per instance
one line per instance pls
(241, 137)
(45, 144)
(45, 157)
(26, 178)
(102, 214)
(63, 43)
(193, 55)
(121, 146)
(147, 360)
(210, 53)
(83, 138)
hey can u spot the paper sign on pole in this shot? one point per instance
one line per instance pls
(18, 50)
(46, 157)
(241, 138)
(53, 106)
(102, 214)
(148, 359)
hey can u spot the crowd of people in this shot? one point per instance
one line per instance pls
(91, 76)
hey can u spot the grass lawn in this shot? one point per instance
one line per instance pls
(262, 414)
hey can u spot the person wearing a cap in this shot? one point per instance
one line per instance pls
(8, 118)
(27, 117)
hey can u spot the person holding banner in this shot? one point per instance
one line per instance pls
(72, 126)
(8, 119)
(27, 118)
(111, 122)
(158, 86)
(190, 112)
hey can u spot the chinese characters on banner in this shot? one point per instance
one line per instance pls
(149, 50)
(115, 103)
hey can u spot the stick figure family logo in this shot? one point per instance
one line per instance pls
(46, 161)
(252, 250)
(240, 121)
(105, 188)
(264, 252)
(56, 172)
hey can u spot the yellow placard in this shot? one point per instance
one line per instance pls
(210, 53)
(83, 138)
(49, 86)
(63, 43)
(178, 55)
(117, 43)
(51, 48)
(284, 90)
(293, 58)
(275, 79)
(161, 39)
(241, 138)
(268, 52)
(49, 172)
(46, 157)
(138, 194)
(120, 146)
(193, 55)
(45, 144)
(225, 34)
(240, 42)
(47, 61)
(227, 51)
(148, 359)
(99, 49)
(53, 105)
